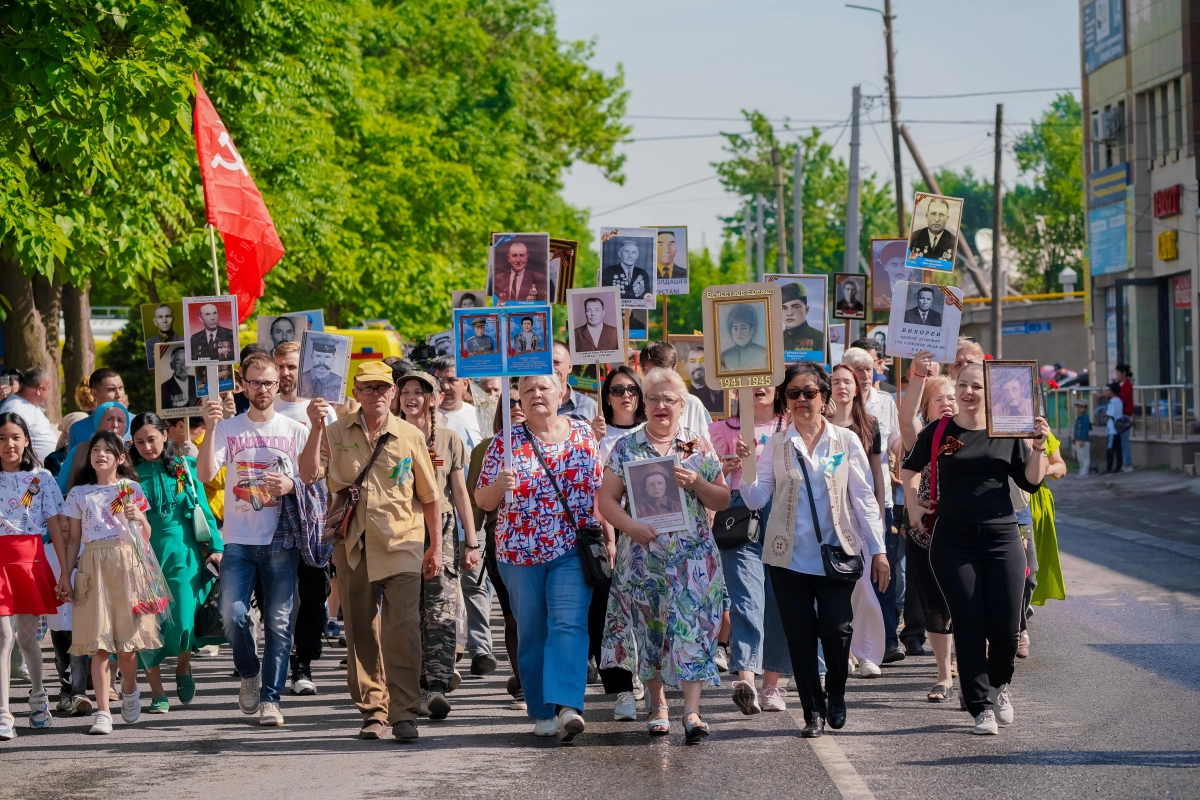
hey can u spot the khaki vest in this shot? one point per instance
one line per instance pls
(791, 498)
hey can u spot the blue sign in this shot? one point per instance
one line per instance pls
(1103, 33)
(1022, 328)
(1109, 185)
(316, 318)
(1107, 240)
(503, 340)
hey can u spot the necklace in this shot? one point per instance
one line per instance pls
(666, 440)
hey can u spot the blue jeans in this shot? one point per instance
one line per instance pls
(550, 602)
(744, 573)
(887, 600)
(1126, 450)
(242, 566)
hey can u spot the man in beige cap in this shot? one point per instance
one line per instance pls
(381, 557)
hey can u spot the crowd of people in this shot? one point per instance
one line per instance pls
(867, 531)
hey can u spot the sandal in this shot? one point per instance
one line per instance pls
(941, 692)
(657, 727)
(694, 731)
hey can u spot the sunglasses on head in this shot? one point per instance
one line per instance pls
(808, 393)
(621, 391)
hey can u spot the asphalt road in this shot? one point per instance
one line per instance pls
(1106, 706)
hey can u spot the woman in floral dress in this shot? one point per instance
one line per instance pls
(667, 586)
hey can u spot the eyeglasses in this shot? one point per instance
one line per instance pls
(621, 391)
(794, 394)
(260, 385)
(373, 390)
(662, 400)
(514, 403)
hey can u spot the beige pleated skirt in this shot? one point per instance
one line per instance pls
(103, 617)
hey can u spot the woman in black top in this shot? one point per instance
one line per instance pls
(976, 551)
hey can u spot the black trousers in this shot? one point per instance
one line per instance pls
(615, 679)
(980, 568)
(312, 590)
(803, 623)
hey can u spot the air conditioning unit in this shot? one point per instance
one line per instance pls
(1106, 126)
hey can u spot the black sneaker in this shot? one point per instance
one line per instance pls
(891, 656)
(302, 682)
(593, 674)
(483, 664)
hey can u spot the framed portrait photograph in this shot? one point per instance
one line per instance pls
(925, 316)
(627, 258)
(518, 268)
(563, 254)
(477, 351)
(1011, 394)
(175, 391)
(743, 335)
(849, 295)
(671, 259)
(639, 325)
(594, 321)
(161, 323)
(316, 318)
(933, 240)
(878, 332)
(442, 341)
(210, 330)
(469, 298)
(690, 365)
(274, 331)
(528, 345)
(655, 497)
(804, 300)
(888, 267)
(324, 366)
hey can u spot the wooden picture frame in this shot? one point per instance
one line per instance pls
(1011, 387)
(732, 311)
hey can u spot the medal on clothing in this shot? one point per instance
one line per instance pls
(30, 493)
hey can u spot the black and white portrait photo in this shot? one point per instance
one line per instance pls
(468, 298)
(742, 336)
(274, 331)
(671, 260)
(443, 342)
(161, 323)
(518, 268)
(594, 321)
(175, 383)
(627, 258)
(924, 305)
(849, 292)
(924, 316)
(934, 238)
(654, 495)
(324, 365)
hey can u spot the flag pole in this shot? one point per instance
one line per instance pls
(212, 239)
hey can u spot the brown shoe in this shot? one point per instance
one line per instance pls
(405, 730)
(1023, 645)
(372, 729)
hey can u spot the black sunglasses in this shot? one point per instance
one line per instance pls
(621, 391)
(794, 393)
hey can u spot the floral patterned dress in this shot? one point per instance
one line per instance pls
(668, 594)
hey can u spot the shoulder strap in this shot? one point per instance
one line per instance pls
(812, 505)
(362, 476)
(938, 432)
(537, 452)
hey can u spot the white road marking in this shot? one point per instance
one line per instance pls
(845, 777)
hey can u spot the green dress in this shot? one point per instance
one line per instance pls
(180, 555)
(1050, 582)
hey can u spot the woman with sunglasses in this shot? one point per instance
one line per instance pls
(818, 479)
(667, 586)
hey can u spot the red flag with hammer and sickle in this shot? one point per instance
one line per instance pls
(234, 207)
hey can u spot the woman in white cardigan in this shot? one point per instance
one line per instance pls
(836, 508)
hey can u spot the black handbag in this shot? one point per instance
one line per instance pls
(208, 616)
(735, 527)
(838, 565)
(589, 542)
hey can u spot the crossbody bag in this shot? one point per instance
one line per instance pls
(345, 500)
(735, 527)
(838, 565)
(929, 519)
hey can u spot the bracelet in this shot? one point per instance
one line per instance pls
(472, 547)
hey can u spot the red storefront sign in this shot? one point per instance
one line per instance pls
(1181, 287)
(1167, 202)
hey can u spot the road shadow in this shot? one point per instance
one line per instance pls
(1174, 662)
(1163, 759)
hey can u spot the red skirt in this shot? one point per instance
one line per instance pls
(26, 580)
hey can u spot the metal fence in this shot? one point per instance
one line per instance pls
(1161, 412)
(1059, 407)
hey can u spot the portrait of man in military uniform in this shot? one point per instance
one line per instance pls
(629, 264)
(162, 323)
(934, 237)
(480, 343)
(322, 372)
(798, 332)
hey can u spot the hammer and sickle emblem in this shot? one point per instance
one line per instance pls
(236, 164)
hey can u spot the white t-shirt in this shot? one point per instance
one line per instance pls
(91, 504)
(882, 407)
(611, 434)
(251, 450)
(298, 410)
(469, 420)
(1113, 411)
(695, 416)
(42, 433)
(45, 501)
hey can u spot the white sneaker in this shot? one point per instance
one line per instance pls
(868, 669)
(985, 723)
(423, 706)
(1004, 707)
(545, 727)
(101, 724)
(568, 724)
(131, 706)
(248, 694)
(64, 704)
(208, 651)
(722, 659)
(303, 685)
(269, 714)
(1127, 468)
(8, 727)
(626, 708)
(39, 710)
(639, 691)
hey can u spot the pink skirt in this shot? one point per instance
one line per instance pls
(26, 580)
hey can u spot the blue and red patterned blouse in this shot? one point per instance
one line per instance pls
(533, 528)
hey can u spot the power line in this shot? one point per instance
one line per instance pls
(984, 94)
(656, 194)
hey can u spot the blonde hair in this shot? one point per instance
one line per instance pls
(932, 386)
(965, 345)
(857, 357)
(83, 396)
(663, 375)
(286, 349)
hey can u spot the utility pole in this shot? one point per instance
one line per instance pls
(780, 224)
(798, 211)
(760, 238)
(901, 226)
(746, 241)
(997, 222)
(850, 257)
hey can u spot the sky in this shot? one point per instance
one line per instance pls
(800, 59)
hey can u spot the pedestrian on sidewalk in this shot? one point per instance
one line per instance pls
(975, 549)
(383, 558)
(1112, 413)
(30, 511)
(803, 522)
(1125, 379)
(1081, 434)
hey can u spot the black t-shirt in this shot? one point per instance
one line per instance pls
(973, 479)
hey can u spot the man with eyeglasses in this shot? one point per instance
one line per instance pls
(260, 449)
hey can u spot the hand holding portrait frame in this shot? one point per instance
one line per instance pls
(1011, 398)
(655, 497)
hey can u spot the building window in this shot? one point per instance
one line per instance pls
(1162, 110)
